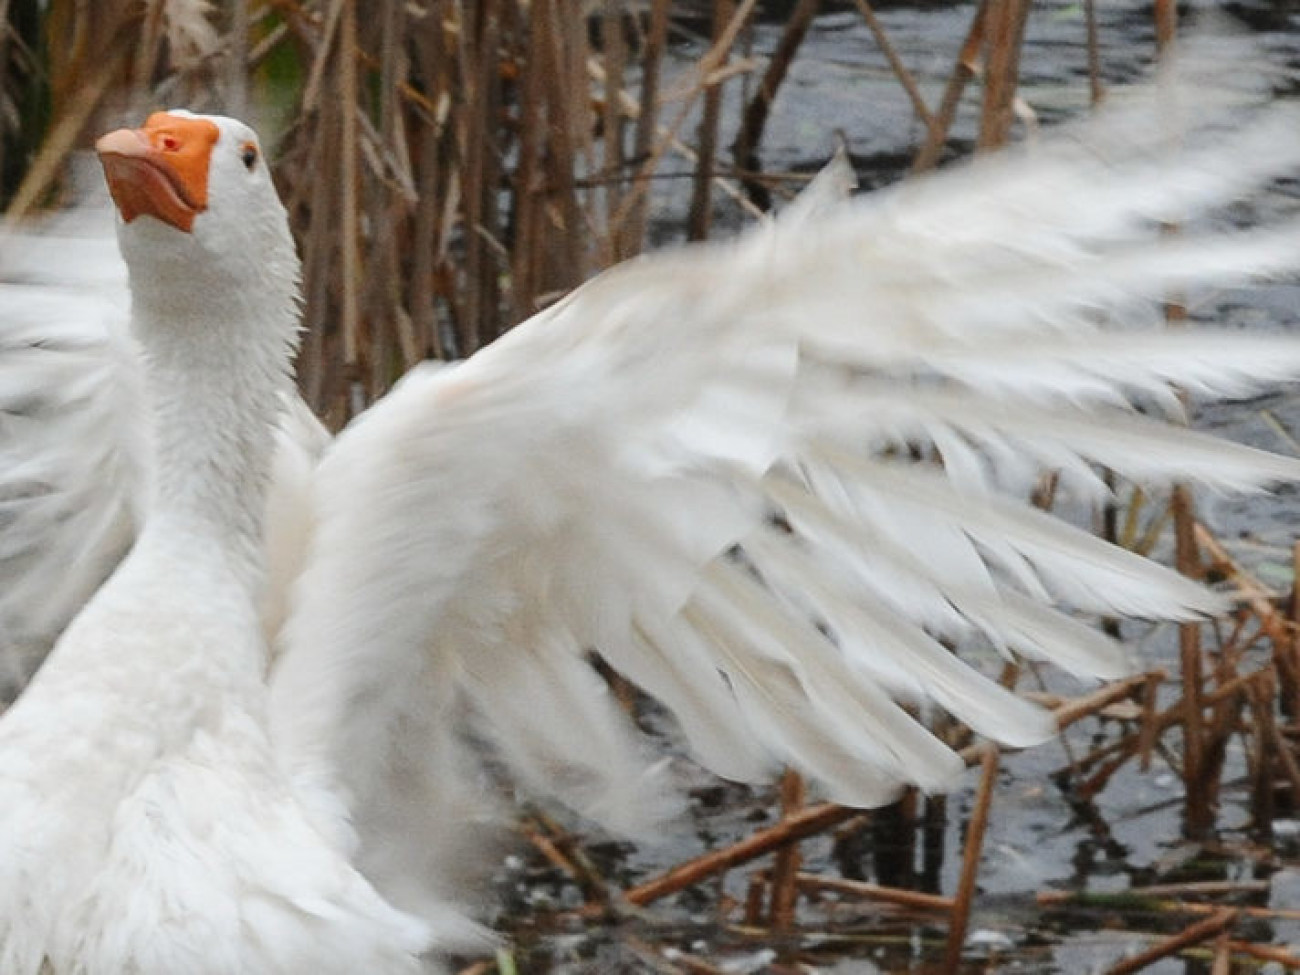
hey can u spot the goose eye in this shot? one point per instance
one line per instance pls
(248, 153)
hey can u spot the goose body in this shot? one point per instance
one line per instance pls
(166, 839)
(697, 463)
(142, 793)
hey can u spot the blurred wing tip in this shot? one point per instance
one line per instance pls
(1038, 725)
(640, 810)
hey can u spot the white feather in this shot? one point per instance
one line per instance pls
(590, 473)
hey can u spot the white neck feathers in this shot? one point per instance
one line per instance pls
(218, 331)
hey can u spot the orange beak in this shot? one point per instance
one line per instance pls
(160, 170)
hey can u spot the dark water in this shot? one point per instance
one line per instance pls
(841, 86)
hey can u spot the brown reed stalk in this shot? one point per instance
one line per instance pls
(744, 148)
(755, 898)
(350, 212)
(1289, 655)
(1274, 953)
(1261, 704)
(896, 65)
(632, 231)
(1222, 955)
(1006, 27)
(811, 820)
(235, 75)
(1198, 812)
(962, 900)
(965, 68)
(785, 869)
(74, 115)
(911, 899)
(1095, 90)
(479, 39)
(1217, 922)
(613, 123)
(700, 217)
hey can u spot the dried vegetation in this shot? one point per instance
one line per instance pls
(451, 166)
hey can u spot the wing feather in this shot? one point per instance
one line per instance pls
(766, 480)
(74, 449)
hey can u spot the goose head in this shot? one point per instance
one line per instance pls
(204, 237)
(200, 220)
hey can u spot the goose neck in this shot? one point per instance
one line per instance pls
(214, 381)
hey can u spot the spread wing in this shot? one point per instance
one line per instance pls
(73, 441)
(766, 481)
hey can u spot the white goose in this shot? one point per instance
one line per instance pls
(690, 464)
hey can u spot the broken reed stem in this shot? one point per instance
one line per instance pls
(905, 77)
(1095, 90)
(1261, 706)
(960, 918)
(1262, 688)
(529, 178)
(744, 148)
(1252, 592)
(1090, 787)
(632, 232)
(755, 897)
(1069, 712)
(612, 120)
(1278, 628)
(236, 72)
(1083, 899)
(909, 900)
(1153, 723)
(963, 71)
(1198, 932)
(1222, 955)
(1165, 13)
(916, 900)
(1224, 717)
(815, 819)
(1263, 804)
(1006, 21)
(1078, 708)
(349, 177)
(811, 820)
(1198, 811)
(1273, 953)
(785, 870)
(700, 218)
(1147, 732)
(1289, 676)
(561, 851)
(1200, 888)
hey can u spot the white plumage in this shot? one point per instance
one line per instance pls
(699, 464)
